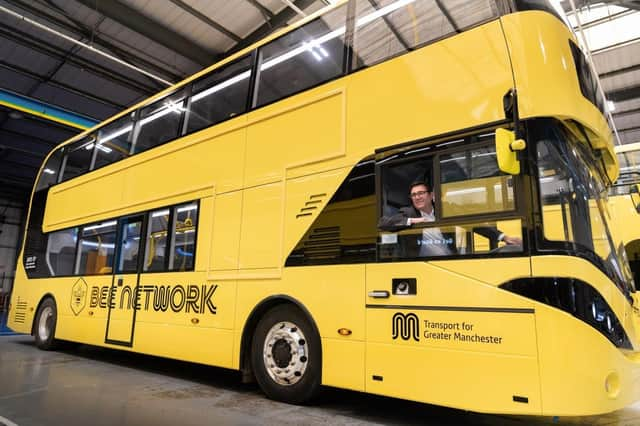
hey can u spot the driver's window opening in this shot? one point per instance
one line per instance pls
(430, 202)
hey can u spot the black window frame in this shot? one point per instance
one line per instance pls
(348, 23)
(185, 91)
(192, 91)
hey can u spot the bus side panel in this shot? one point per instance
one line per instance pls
(164, 175)
(455, 341)
(23, 301)
(261, 230)
(77, 200)
(192, 166)
(575, 359)
(82, 307)
(183, 315)
(334, 297)
(491, 271)
(224, 244)
(296, 132)
(575, 267)
(436, 89)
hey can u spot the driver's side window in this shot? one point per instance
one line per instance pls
(440, 204)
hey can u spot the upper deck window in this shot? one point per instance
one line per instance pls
(50, 171)
(387, 28)
(220, 95)
(78, 158)
(114, 141)
(160, 122)
(303, 58)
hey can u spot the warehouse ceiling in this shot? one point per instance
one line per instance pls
(170, 40)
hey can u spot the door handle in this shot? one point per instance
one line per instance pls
(379, 294)
(120, 282)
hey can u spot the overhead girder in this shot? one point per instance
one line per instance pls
(271, 25)
(30, 74)
(182, 5)
(153, 30)
(265, 11)
(624, 94)
(55, 52)
(80, 29)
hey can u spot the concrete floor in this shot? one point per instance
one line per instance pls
(93, 386)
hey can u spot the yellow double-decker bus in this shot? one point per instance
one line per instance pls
(624, 200)
(235, 218)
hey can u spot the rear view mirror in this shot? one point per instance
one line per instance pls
(506, 147)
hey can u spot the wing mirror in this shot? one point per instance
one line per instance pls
(506, 150)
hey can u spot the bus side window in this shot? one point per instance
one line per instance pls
(50, 171)
(220, 95)
(97, 248)
(380, 36)
(183, 243)
(114, 141)
(61, 251)
(471, 183)
(160, 122)
(303, 58)
(156, 254)
(77, 160)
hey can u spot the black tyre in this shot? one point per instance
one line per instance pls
(44, 327)
(286, 356)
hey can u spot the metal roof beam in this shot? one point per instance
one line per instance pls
(204, 18)
(625, 112)
(278, 21)
(265, 11)
(392, 27)
(78, 28)
(48, 49)
(624, 94)
(620, 71)
(151, 29)
(26, 144)
(30, 74)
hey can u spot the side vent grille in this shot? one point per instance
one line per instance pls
(323, 243)
(310, 205)
(21, 311)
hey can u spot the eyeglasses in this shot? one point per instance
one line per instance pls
(419, 194)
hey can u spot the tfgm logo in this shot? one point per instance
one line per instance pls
(406, 326)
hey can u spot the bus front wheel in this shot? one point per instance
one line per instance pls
(286, 355)
(45, 325)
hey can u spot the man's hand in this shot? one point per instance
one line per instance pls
(512, 241)
(414, 220)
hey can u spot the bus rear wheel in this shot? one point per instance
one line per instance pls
(45, 325)
(286, 355)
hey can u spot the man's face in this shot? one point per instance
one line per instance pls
(421, 198)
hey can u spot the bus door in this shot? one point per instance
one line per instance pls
(122, 296)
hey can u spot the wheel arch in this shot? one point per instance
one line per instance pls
(35, 315)
(252, 321)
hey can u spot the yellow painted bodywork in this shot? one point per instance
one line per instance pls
(625, 218)
(254, 174)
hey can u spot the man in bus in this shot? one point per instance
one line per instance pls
(433, 243)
